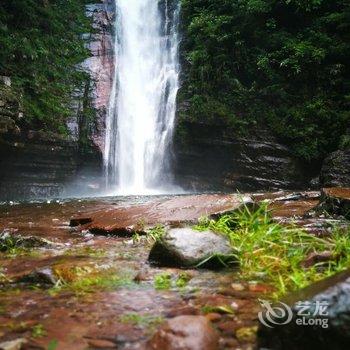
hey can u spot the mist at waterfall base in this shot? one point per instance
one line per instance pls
(141, 116)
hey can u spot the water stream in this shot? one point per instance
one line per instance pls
(141, 116)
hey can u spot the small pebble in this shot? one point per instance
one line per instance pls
(101, 344)
(213, 317)
(237, 287)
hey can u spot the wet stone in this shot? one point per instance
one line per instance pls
(101, 344)
(213, 317)
(74, 222)
(237, 287)
(16, 344)
(227, 326)
(187, 310)
(12, 240)
(316, 258)
(185, 333)
(323, 327)
(185, 247)
(43, 276)
(296, 196)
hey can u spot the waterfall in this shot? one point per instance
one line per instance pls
(141, 115)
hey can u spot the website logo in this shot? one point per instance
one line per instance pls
(274, 315)
(304, 313)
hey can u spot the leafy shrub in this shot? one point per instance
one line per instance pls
(281, 64)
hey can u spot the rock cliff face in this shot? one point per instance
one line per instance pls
(41, 165)
(336, 169)
(100, 65)
(209, 161)
(36, 170)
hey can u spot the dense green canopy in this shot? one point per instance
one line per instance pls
(280, 63)
(40, 47)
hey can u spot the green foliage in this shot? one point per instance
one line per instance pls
(82, 281)
(162, 281)
(38, 331)
(222, 309)
(345, 141)
(52, 345)
(155, 233)
(41, 47)
(182, 280)
(279, 63)
(144, 320)
(219, 260)
(3, 278)
(8, 244)
(274, 253)
(13, 247)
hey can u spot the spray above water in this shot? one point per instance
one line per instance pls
(141, 116)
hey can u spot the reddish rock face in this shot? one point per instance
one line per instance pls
(101, 64)
(337, 192)
(126, 220)
(185, 333)
(288, 205)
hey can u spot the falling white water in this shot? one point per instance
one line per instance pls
(141, 114)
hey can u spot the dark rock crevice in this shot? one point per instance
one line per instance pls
(209, 160)
(336, 169)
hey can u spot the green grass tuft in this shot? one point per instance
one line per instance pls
(155, 233)
(90, 283)
(271, 252)
(38, 331)
(182, 280)
(162, 281)
(222, 309)
(13, 247)
(152, 235)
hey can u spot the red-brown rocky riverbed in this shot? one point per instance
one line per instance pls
(112, 298)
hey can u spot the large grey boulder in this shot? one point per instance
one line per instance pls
(16, 344)
(185, 247)
(326, 321)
